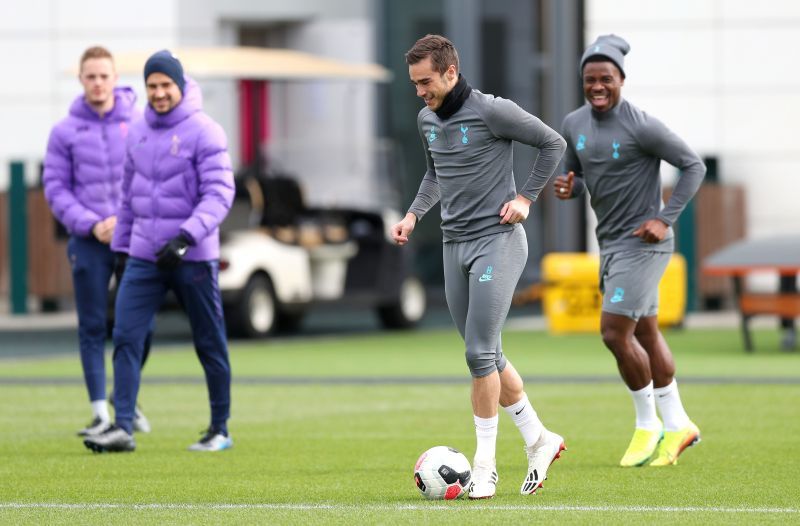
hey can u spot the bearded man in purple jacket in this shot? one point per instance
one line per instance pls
(82, 179)
(177, 188)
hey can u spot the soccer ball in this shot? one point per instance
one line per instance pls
(442, 473)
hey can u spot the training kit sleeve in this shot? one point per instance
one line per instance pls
(509, 121)
(428, 194)
(661, 142)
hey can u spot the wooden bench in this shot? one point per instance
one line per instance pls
(783, 305)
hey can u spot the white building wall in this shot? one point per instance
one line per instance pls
(41, 41)
(721, 74)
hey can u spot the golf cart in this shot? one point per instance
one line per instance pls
(273, 273)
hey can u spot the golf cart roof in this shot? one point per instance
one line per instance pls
(256, 63)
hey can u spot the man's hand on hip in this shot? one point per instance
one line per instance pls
(515, 211)
(652, 231)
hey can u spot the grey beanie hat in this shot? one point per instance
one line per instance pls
(612, 47)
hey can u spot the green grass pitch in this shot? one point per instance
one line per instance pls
(326, 430)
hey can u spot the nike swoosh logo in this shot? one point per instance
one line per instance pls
(518, 412)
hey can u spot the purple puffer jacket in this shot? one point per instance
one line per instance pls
(84, 162)
(178, 179)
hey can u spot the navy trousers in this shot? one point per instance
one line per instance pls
(92, 264)
(140, 295)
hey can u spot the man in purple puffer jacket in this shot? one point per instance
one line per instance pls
(82, 179)
(177, 189)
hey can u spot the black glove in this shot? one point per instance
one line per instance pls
(121, 258)
(171, 254)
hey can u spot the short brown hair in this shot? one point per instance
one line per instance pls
(442, 52)
(95, 52)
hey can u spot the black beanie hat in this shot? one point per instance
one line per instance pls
(165, 62)
(612, 47)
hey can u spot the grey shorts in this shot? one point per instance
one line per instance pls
(629, 282)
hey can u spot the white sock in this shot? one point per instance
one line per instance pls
(100, 410)
(645, 405)
(669, 405)
(524, 416)
(486, 433)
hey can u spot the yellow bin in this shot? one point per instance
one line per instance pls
(572, 299)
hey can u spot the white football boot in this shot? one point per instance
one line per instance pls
(96, 427)
(112, 440)
(540, 456)
(484, 480)
(212, 441)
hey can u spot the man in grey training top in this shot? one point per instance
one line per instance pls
(614, 150)
(467, 137)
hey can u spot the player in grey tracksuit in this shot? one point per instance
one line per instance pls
(614, 150)
(467, 138)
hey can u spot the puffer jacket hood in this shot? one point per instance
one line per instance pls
(123, 110)
(191, 103)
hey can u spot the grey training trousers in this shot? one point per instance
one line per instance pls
(480, 276)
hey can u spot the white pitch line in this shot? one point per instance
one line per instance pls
(398, 507)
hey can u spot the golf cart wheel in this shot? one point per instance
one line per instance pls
(256, 314)
(408, 308)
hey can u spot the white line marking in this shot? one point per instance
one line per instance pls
(397, 507)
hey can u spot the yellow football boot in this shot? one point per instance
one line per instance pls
(674, 443)
(642, 447)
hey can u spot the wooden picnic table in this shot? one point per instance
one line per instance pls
(779, 254)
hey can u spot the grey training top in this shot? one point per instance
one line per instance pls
(470, 164)
(618, 154)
